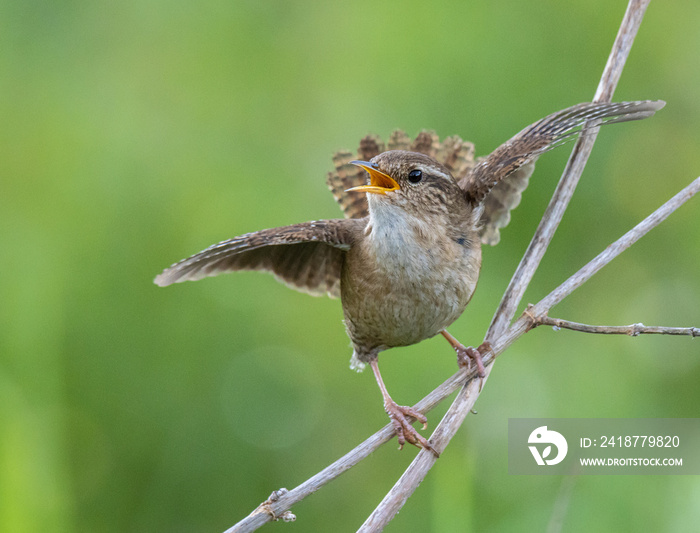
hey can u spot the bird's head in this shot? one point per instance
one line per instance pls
(412, 181)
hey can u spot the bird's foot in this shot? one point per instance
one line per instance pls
(405, 432)
(467, 354)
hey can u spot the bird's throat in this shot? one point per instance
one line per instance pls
(401, 242)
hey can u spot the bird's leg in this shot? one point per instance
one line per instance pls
(398, 415)
(467, 354)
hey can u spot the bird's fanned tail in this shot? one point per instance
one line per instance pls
(456, 154)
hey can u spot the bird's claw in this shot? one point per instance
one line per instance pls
(405, 432)
(467, 354)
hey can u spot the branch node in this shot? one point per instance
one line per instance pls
(533, 320)
(636, 329)
(265, 507)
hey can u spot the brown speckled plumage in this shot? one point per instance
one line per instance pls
(306, 256)
(417, 266)
(406, 258)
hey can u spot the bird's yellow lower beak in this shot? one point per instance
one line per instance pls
(380, 183)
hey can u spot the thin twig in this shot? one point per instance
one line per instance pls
(532, 314)
(616, 248)
(418, 469)
(633, 330)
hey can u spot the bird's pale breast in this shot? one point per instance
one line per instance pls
(404, 283)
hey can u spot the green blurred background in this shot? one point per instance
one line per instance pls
(136, 133)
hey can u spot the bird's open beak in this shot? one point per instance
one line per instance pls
(380, 183)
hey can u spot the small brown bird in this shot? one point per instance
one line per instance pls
(406, 261)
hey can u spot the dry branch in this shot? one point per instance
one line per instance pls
(633, 330)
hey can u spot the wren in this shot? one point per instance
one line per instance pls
(406, 259)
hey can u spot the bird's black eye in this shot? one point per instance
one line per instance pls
(415, 176)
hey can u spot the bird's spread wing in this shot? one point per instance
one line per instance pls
(307, 257)
(456, 154)
(499, 179)
(503, 198)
